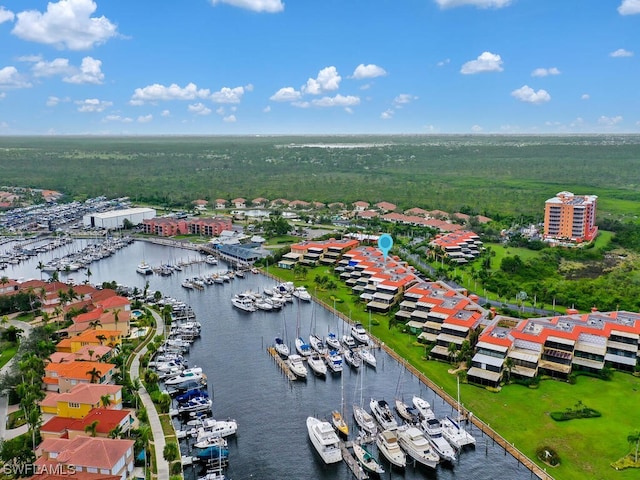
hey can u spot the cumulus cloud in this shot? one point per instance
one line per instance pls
(529, 95)
(228, 95)
(475, 3)
(65, 24)
(327, 80)
(6, 15)
(286, 94)
(387, 114)
(621, 52)
(403, 99)
(117, 118)
(199, 109)
(11, 78)
(629, 7)
(145, 118)
(337, 101)
(444, 62)
(91, 105)
(609, 121)
(368, 71)
(156, 92)
(165, 113)
(267, 109)
(585, 96)
(57, 66)
(268, 6)
(543, 72)
(53, 101)
(476, 129)
(229, 119)
(90, 72)
(486, 62)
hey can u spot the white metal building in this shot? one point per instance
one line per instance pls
(115, 218)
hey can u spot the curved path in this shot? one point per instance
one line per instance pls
(152, 413)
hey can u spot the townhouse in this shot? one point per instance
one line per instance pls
(320, 252)
(462, 246)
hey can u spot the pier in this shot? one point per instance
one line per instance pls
(352, 463)
(278, 359)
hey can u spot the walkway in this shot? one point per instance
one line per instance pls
(152, 413)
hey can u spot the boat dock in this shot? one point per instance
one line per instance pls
(352, 463)
(278, 359)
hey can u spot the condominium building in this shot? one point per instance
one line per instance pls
(570, 218)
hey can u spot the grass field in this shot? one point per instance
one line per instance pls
(7, 354)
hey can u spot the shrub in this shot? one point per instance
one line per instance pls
(548, 455)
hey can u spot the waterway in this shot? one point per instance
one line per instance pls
(271, 411)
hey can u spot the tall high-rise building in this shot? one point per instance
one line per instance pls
(570, 218)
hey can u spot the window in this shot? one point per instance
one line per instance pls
(74, 405)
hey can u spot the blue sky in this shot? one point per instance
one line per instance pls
(312, 67)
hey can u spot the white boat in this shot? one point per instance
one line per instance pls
(368, 461)
(184, 377)
(352, 358)
(383, 414)
(387, 443)
(199, 404)
(243, 303)
(367, 356)
(455, 434)
(215, 428)
(296, 365)
(317, 344)
(348, 341)
(415, 444)
(144, 268)
(333, 341)
(186, 283)
(433, 429)
(359, 333)
(408, 413)
(302, 347)
(334, 361)
(281, 347)
(301, 294)
(262, 304)
(325, 440)
(423, 407)
(364, 420)
(211, 260)
(317, 365)
(211, 441)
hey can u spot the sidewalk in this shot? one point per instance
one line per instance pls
(154, 419)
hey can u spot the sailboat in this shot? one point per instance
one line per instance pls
(454, 432)
(363, 418)
(337, 417)
(280, 343)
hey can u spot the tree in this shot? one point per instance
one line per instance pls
(101, 339)
(94, 324)
(634, 438)
(95, 375)
(88, 273)
(170, 452)
(116, 432)
(92, 428)
(116, 318)
(41, 268)
(508, 365)
(105, 400)
(453, 352)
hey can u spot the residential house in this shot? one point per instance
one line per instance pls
(62, 377)
(92, 337)
(221, 204)
(239, 202)
(259, 202)
(81, 399)
(360, 206)
(107, 420)
(385, 207)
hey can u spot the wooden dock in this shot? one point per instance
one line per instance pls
(283, 365)
(352, 463)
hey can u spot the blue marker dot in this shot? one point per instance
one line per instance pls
(385, 242)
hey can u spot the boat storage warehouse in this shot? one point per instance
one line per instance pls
(115, 218)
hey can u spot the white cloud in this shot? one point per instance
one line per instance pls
(300, 104)
(585, 96)
(444, 62)
(65, 24)
(229, 119)
(286, 94)
(486, 62)
(629, 7)
(117, 118)
(621, 52)
(403, 99)
(228, 95)
(368, 71)
(165, 113)
(529, 95)
(4, 125)
(387, 114)
(268, 6)
(6, 15)
(90, 72)
(220, 110)
(52, 101)
(57, 66)
(476, 129)
(543, 72)
(155, 92)
(11, 78)
(337, 101)
(475, 3)
(3, 95)
(199, 109)
(91, 105)
(267, 109)
(145, 118)
(609, 121)
(327, 80)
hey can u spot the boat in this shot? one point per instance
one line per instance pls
(333, 341)
(423, 407)
(433, 429)
(334, 361)
(317, 344)
(211, 260)
(455, 434)
(408, 413)
(364, 420)
(243, 303)
(209, 441)
(368, 461)
(387, 443)
(212, 454)
(144, 268)
(352, 358)
(317, 365)
(301, 294)
(338, 422)
(359, 333)
(415, 444)
(302, 347)
(185, 377)
(296, 365)
(191, 394)
(199, 404)
(383, 414)
(210, 427)
(281, 347)
(348, 341)
(367, 357)
(325, 440)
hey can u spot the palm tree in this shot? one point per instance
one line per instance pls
(95, 375)
(453, 352)
(116, 319)
(40, 267)
(92, 428)
(95, 324)
(634, 438)
(116, 432)
(55, 276)
(105, 400)
(508, 365)
(101, 338)
(88, 274)
(170, 452)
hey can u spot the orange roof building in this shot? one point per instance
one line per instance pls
(68, 427)
(62, 377)
(81, 399)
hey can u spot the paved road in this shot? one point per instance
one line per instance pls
(154, 418)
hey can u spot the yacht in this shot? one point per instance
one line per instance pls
(348, 341)
(415, 443)
(302, 347)
(317, 344)
(211, 260)
(188, 375)
(333, 341)
(302, 294)
(296, 365)
(364, 420)
(423, 407)
(281, 347)
(408, 413)
(324, 439)
(144, 268)
(383, 414)
(243, 303)
(317, 364)
(339, 423)
(367, 356)
(359, 333)
(387, 443)
(433, 429)
(455, 433)
(334, 361)
(352, 358)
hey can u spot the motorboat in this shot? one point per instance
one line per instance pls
(415, 444)
(218, 441)
(368, 461)
(302, 347)
(188, 375)
(317, 344)
(243, 303)
(339, 423)
(144, 268)
(301, 294)
(423, 407)
(190, 394)
(359, 333)
(212, 453)
(352, 358)
(214, 428)
(367, 356)
(296, 365)
(348, 341)
(364, 420)
(433, 429)
(317, 365)
(211, 260)
(383, 414)
(334, 361)
(281, 347)
(325, 440)
(262, 304)
(455, 434)
(333, 341)
(408, 413)
(198, 404)
(387, 443)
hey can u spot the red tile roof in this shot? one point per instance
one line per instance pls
(107, 419)
(103, 453)
(85, 393)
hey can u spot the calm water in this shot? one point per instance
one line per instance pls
(272, 441)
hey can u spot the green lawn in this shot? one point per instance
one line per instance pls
(504, 251)
(7, 354)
